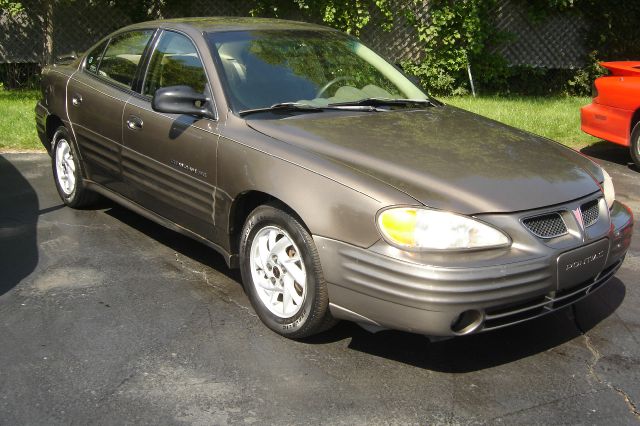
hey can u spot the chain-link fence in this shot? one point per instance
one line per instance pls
(51, 28)
(402, 42)
(56, 28)
(557, 41)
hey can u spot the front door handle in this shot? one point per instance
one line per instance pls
(76, 99)
(134, 123)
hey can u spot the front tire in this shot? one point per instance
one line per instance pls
(66, 171)
(282, 275)
(634, 146)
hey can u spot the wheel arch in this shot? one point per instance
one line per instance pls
(244, 204)
(51, 125)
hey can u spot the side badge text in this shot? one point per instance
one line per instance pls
(188, 168)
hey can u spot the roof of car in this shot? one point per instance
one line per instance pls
(231, 23)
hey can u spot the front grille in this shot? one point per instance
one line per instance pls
(590, 212)
(546, 226)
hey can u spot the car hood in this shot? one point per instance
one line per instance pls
(444, 157)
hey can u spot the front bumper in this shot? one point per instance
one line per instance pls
(383, 287)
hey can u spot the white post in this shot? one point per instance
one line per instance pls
(473, 88)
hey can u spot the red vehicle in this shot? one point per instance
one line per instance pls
(614, 114)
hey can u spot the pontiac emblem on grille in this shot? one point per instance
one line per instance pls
(577, 213)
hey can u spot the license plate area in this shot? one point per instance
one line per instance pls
(582, 264)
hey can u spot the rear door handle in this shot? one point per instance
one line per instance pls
(76, 99)
(134, 123)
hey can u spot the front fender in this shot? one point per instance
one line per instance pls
(333, 201)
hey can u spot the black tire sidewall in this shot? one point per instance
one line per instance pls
(634, 146)
(69, 199)
(303, 320)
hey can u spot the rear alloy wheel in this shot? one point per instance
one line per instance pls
(282, 275)
(635, 145)
(66, 172)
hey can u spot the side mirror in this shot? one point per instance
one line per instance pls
(181, 100)
(66, 58)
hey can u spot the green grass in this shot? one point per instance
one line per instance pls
(556, 118)
(17, 121)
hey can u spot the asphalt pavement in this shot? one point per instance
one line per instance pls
(107, 318)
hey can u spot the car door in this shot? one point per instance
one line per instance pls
(169, 160)
(96, 96)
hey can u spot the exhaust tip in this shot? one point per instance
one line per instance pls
(467, 322)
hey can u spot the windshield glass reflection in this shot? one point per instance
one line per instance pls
(318, 68)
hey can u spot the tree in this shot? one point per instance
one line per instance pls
(346, 15)
(10, 8)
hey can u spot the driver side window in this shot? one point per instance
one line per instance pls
(175, 62)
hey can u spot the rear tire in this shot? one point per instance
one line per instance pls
(634, 146)
(67, 174)
(282, 275)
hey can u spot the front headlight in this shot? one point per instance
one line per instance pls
(607, 188)
(416, 228)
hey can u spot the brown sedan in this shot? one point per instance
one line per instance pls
(339, 187)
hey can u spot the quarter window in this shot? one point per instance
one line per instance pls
(93, 58)
(123, 55)
(175, 62)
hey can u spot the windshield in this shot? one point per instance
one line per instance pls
(266, 67)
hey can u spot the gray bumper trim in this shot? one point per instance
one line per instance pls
(499, 318)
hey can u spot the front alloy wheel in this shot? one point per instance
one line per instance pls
(277, 271)
(281, 273)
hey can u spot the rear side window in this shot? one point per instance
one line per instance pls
(123, 55)
(93, 58)
(175, 62)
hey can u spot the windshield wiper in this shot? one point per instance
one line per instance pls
(376, 102)
(284, 106)
(296, 106)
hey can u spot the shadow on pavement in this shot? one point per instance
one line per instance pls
(481, 351)
(612, 152)
(18, 221)
(175, 241)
